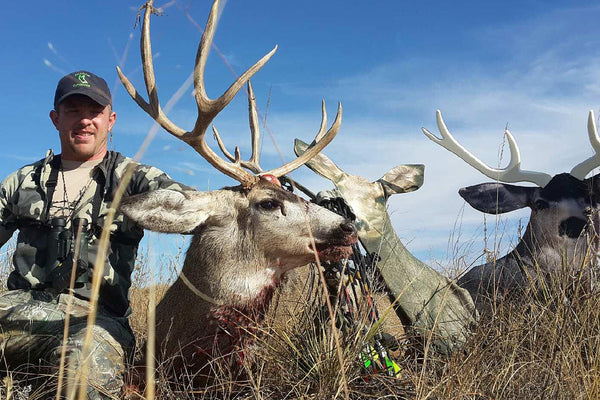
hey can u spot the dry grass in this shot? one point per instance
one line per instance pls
(545, 345)
(542, 346)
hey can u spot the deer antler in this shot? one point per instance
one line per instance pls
(209, 108)
(511, 173)
(253, 163)
(321, 140)
(583, 168)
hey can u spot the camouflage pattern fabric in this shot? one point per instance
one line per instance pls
(31, 337)
(33, 311)
(24, 205)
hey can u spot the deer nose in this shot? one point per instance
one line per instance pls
(571, 227)
(348, 228)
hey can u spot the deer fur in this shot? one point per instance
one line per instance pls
(244, 241)
(245, 238)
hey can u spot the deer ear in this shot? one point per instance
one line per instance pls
(170, 211)
(320, 163)
(498, 198)
(402, 179)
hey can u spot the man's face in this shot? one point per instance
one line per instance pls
(83, 127)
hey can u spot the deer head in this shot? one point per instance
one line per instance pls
(564, 214)
(367, 199)
(244, 237)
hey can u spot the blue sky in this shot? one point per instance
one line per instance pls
(533, 65)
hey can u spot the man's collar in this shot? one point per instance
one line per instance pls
(102, 167)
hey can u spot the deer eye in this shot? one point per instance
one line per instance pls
(269, 205)
(541, 204)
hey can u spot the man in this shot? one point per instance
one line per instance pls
(48, 202)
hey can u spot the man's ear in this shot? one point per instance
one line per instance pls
(54, 118)
(498, 198)
(402, 179)
(112, 119)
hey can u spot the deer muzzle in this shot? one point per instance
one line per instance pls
(572, 227)
(340, 244)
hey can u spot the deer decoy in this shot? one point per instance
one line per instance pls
(425, 300)
(562, 232)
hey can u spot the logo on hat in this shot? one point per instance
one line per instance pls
(85, 83)
(81, 76)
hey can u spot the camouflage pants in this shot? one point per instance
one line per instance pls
(31, 340)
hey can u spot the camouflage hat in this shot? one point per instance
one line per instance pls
(85, 83)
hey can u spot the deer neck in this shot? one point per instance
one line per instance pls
(231, 293)
(413, 283)
(373, 223)
(228, 268)
(397, 265)
(549, 252)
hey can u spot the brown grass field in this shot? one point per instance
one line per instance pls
(542, 346)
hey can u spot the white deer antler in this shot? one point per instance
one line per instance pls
(209, 108)
(511, 173)
(583, 168)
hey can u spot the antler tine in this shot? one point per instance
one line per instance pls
(153, 108)
(315, 147)
(224, 150)
(254, 127)
(583, 168)
(207, 108)
(323, 122)
(511, 173)
(253, 163)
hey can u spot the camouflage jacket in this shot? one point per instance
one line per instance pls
(24, 206)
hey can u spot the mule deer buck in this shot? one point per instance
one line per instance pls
(424, 299)
(245, 238)
(562, 232)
